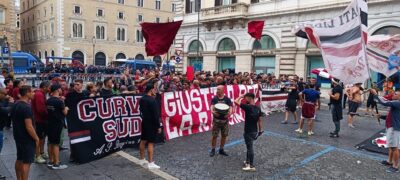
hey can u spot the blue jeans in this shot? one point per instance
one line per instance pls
(1, 140)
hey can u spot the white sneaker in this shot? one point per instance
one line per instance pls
(153, 165)
(59, 166)
(310, 133)
(299, 131)
(351, 126)
(143, 162)
(39, 159)
(45, 156)
(249, 168)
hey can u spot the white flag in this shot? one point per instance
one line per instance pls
(342, 42)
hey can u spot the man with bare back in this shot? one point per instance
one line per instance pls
(354, 96)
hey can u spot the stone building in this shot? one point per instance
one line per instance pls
(224, 42)
(8, 26)
(92, 31)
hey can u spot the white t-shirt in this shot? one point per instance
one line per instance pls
(2, 85)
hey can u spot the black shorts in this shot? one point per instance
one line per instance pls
(54, 133)
(41, 130)
(26, 152)
(291, 105)
(371, 103)
(149, 135)
(353, 107)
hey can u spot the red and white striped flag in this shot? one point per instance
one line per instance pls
(321, 72)
(342, 41)
(380, 47)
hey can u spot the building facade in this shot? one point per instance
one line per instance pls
(223, 41)
(8, 26)
(96, 32)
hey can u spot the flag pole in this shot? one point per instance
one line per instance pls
(198, 31)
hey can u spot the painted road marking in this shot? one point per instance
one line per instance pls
(351, 152)
(355, 153)
(157, 172)
(309, 159)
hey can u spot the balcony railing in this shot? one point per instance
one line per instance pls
(237, 10)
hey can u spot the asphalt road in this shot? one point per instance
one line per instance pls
(279, 154)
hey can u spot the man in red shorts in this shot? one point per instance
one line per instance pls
(311, 97)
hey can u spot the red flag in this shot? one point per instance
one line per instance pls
(255, 28)
(190, 73)
(159, 36)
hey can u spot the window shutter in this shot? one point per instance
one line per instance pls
(187, 6)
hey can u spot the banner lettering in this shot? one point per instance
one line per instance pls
(100, 126)
(189, 112)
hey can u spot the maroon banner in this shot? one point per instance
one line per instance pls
(189, 112)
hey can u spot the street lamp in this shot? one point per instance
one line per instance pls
(94, 46)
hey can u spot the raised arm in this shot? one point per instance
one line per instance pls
(238, 100)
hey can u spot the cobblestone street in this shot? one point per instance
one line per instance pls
(279, 154)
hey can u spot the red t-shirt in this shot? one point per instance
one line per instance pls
(39, 107)
(15, 93)
(10, 90)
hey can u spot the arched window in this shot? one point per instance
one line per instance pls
(100, 59)
(266, 42)
(118, 34)
(139, 57)
(102, 32)
(78, 55)
(157, 60)
(40, 55)
(194, 45)
(226, 63)
(139, 36)
(45, 54)
(80, 30)
(52, 28)
(75, 30)
(98, 33)
(123, 34)
(120, 56)
(52, 53)
(226, 44)
(389, 30)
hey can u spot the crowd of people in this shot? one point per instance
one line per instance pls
(37, 114)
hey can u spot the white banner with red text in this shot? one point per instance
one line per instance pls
(189, 112)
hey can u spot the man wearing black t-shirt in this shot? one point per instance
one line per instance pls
(150, 125)
(220, 121)
(25, 136)
(252, 127)
(336, 107)
(56, 115)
